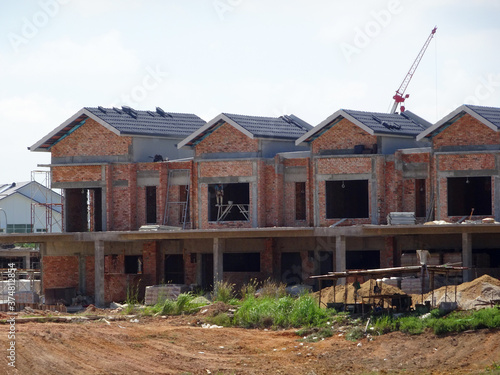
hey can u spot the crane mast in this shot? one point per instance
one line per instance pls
(400, 97)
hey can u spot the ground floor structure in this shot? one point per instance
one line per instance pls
(108, 265)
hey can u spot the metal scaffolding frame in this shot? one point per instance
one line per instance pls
(44, 217)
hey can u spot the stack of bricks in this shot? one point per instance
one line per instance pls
(158, 293)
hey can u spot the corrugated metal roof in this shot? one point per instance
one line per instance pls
(285, 127)
(129, 121)
(8, 189)
(390, 123)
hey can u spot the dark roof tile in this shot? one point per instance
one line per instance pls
(129, 121)
(285, 127)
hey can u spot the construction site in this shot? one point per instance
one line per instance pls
(370, 211)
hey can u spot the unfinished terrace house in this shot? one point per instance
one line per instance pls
(122, 169)
(266, 197)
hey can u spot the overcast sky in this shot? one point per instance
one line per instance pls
(254, 57)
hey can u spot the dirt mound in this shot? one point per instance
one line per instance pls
(216, 309)
(367, 288)
(469, 295)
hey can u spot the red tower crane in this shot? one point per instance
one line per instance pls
(399, 98)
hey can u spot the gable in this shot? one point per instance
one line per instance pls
(466, 131)
(343, 135)
(91, 139)
(225, 139)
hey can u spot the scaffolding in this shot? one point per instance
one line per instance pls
(178, 177)
(44, 201)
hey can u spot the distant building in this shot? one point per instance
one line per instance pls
(29, 207)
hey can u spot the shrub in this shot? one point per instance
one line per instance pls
(249, 289)
(223, 292)
(273, 289)
(412, 325)
(384, 324)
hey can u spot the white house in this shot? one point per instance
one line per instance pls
(27, 207)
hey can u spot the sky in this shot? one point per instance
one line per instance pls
(253, 57)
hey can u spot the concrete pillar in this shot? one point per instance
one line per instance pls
(27, 261)
(340, 254)
(99, 273)
(218, 256)
(467, 255)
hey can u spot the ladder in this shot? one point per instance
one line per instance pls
(175, 178)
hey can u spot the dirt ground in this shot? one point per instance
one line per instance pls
(179, 346)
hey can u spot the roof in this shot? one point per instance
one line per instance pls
(287, 127)
(127, 122)
(405, 124)
(490, 116)
(36, 192)
(9, 189)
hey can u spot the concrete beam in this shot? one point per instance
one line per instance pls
(467, 255)
(218, 260)
(99, 273)
(340, 254)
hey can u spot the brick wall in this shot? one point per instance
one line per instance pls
(226, 168)
(189, 268)
(151, 262)
(76, 173)
(464, 132)
(343, 136)
(226, 138)
(60, 272)
(344, 165)
(92, 139)
(462, 162)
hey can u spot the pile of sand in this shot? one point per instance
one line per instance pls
(469, 295)
(328, 295)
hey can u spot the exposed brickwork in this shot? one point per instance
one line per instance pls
(343, 136)
(189, 269)
(60, 272)
(226, 168)
(464, 132)
(392, 180)
(92, 139)
(341, 165)
(151, 261)
(466, 162)
(387, 254)
(273, 188)
(76, 173)
(227, 139)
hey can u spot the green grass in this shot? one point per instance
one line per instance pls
(283, 312)
(182, 305)
(454, 322)
(224, 292)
